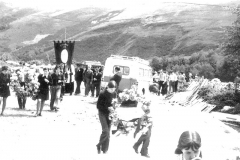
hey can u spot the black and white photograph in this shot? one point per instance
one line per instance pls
(120, 80)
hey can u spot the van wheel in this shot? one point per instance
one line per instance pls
(143, 91)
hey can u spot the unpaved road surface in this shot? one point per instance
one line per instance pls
(73, 132)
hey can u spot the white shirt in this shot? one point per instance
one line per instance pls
(173, 77)
(162, 77)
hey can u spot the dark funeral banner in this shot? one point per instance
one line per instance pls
(61, 49)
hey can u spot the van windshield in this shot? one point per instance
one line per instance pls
(123, 69)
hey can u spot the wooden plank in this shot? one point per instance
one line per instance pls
(226, 116)
(209, 108)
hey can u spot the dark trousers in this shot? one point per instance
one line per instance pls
(55, 95)
(106, 127)
(176, 86)
(164, 89)
(160, 83)
(97, 87)
(87, 87)
(171, 86)
(21, 102)
(78, 89)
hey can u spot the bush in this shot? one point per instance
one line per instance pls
(221, 97)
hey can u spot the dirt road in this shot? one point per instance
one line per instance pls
(73, 132)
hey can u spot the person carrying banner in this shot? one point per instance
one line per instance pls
(69, 85)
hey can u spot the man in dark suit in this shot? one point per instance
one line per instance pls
(78, 78)
(88, 75)
(97, 76)
(117, 77)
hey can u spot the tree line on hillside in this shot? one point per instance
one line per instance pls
(203, 63)
(222, 63)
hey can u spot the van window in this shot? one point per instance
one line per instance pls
(123, 69)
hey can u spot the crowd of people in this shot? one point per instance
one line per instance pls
(53, 83)
(170, 82)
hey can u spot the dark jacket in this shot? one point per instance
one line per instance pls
(79, 74)
(44, 86)
(4, 88)
(105, 101)
(97, 78)
(117, 78)
(55, 78)
(88, 76)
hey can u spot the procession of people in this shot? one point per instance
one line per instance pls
(53, 82)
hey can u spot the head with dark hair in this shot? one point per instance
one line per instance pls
(45, 71)
(189, 145)
(57, 68)
(111, 87)
(117, 69)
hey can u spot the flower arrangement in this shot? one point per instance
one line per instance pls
(130, 97)
(20, 91)
(123, 127)
(30, 89)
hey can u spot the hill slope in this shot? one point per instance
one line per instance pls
(167, 29)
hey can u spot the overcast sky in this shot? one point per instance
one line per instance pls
(74, 4)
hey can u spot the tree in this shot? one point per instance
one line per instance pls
(155, 63)
(232, 45)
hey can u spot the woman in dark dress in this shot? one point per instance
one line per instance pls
(43, 94)
(4, 86)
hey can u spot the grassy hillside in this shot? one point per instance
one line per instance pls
(172, 29)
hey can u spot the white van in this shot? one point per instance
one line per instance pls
(133, 69)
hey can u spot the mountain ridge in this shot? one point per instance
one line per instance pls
(169, 30)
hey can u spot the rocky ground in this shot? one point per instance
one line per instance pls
(73, 132)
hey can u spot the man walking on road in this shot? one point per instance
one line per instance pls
(78, 78)
(88, 75)
(96, 82)
(104, 106)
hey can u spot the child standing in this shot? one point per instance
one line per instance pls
(144, 126)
